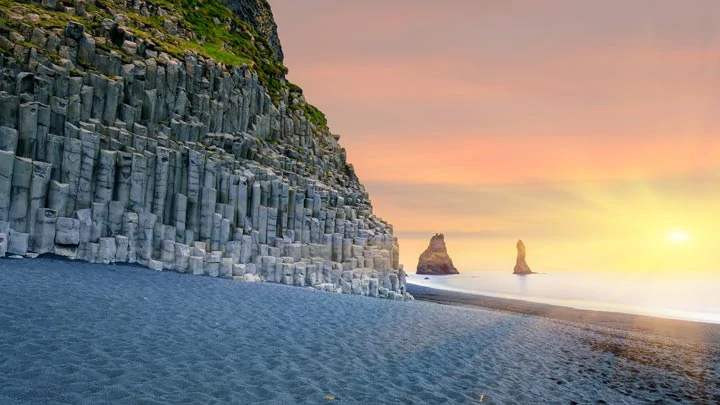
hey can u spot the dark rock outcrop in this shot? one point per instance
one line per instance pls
(521, 266)
(435, 259)
(259, 14)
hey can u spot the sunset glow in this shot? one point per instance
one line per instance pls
(589, 130)
(678, 237)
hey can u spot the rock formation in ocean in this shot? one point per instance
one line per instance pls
(165, 134)
(435, 259)
(521, 266)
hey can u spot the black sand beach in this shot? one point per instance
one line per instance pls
(691, 349)
(686, 331)
(79, 333)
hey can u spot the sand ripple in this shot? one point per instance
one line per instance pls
(87, 334)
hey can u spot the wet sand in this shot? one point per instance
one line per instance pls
(686, 331)
(689, 350)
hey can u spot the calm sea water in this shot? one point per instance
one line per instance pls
(690, 296)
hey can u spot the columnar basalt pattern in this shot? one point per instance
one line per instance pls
(181, 164)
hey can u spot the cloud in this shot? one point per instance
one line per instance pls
(609, 208)
(453, 158)
(602, 67)
(588, 127)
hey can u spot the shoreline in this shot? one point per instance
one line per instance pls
(693, 332)
(80, 332)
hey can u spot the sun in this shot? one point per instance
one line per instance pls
(678, 237)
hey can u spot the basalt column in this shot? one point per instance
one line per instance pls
(38, 192)
(7, 161)
(20, 194)
(134, 155)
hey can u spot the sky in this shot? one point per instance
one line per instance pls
(590, 130)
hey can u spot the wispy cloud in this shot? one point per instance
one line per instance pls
(590, 127)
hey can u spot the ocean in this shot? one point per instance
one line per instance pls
(688, 296)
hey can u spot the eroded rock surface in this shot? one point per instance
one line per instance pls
(435, 259)
(259, 14)
(521, 266)
(114, 150)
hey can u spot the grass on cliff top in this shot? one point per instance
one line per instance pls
(312, 113)
(232, 42)
(57, 20)
(315, 116)
(233, 45)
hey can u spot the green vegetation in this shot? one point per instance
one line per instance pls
(56, 20)
(312, 113)
(294, 88)
(315, 116)
(232, 41)
(207, 27)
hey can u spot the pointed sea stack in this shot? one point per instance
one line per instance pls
(435, 260)
(521, 266)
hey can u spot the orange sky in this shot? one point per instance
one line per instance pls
(588, 129)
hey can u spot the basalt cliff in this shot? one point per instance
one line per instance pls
(165, 133)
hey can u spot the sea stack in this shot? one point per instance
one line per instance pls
(435, 259)
(521, 266)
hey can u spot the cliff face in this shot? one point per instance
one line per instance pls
(165, 134)
(259, 14)
(435, 259)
